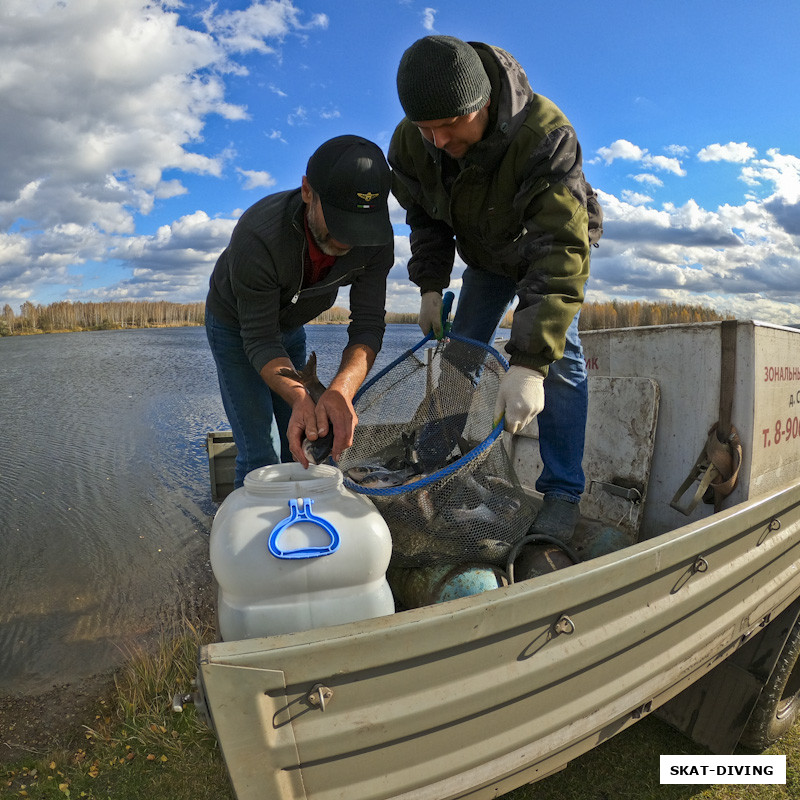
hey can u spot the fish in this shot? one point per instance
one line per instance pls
(415, 508)
(357, 474)
(382, 479)
(425, 505)
(493, 514)
(473, 493)
(496, 483)
(428, 520)
(318, 450)
(416, 543)
(482, 514)
(493, 549)
(377, 476)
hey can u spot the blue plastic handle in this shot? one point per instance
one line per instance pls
(303, 515)
(447, 305)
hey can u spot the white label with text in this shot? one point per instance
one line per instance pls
(723, 769)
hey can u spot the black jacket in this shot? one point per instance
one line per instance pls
(257, 280)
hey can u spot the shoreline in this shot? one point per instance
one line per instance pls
(35, 724)
(155, 327)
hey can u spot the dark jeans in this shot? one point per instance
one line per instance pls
(483, 300)
(259, 418)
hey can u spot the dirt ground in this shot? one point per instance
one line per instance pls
(37, 725)
(41, 724)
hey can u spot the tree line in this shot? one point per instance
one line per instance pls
(594, 316)
(614, 314)
(69, 316)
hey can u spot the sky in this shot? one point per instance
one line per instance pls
(133, 135)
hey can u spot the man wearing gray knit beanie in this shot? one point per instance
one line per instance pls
(485, 166)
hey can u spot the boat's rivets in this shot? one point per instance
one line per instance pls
(319, 695)
(773, 525)
(564, 625)
(700, 565)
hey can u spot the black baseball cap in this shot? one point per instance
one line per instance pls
(352, 179)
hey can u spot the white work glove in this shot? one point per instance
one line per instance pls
(430, 314)
(520, 397)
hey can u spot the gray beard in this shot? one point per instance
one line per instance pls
(329, 249)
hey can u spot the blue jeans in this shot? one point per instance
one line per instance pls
(482, 303)
(251, 406)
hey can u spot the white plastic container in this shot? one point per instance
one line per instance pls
(293, 549)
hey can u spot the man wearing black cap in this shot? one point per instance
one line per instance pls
(288, 256)
(484, 165)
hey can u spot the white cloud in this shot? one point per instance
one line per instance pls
(175, 262)
(738, 259)
(664, 163)
(298, 117)
(677, 150)
(194, 233)
(648, 178)
(256, 179)
(397, 214)
(106, 98)
(635, 198)
(429, 19)
(738, 152)
(108, 147)
(247, 30)
(782, 171)
(623, 149)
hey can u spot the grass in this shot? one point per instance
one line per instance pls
(137, 747)
(627, 768)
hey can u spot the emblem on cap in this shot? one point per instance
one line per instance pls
(367, 195)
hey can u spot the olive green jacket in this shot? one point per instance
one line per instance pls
(517, 205)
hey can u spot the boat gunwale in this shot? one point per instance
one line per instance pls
(649, 549)
(344, 656)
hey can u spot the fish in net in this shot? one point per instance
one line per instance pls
(427, 452)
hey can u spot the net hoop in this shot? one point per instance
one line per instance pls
(403, 356)
(445, 472)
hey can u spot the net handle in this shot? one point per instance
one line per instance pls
(447, 306)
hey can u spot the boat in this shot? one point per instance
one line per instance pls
(696, 620)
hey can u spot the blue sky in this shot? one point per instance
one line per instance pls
(134, 134)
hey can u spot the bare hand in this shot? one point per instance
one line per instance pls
(336, 411)
(302, 425)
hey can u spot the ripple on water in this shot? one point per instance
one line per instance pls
(96, 532)
(104, 498)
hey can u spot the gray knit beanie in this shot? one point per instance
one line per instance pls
(441, 77)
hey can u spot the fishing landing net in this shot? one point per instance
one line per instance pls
(427, 454)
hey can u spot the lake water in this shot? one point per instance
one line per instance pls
(105, 506)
